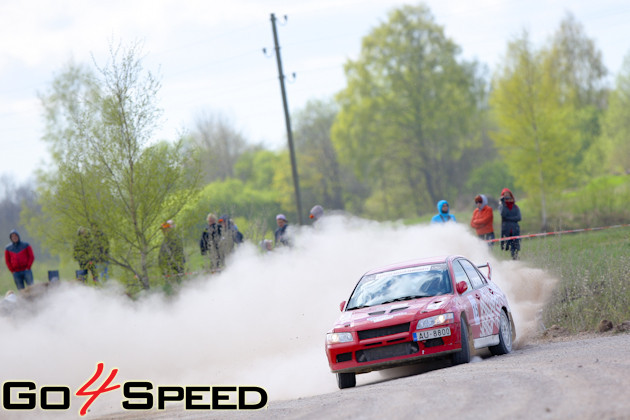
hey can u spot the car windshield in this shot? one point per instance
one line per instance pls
(401, 284)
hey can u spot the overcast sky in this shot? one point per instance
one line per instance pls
(210, 59)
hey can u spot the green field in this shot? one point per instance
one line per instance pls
(594, 273)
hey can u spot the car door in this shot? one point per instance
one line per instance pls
(483, 296)
(468, 300)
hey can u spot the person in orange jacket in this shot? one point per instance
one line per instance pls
(483, 218)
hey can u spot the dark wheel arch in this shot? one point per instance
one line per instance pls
(463, 356)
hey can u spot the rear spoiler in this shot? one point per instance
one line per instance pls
(487, 264)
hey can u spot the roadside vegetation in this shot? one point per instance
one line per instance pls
(594, 273)
(415, 123)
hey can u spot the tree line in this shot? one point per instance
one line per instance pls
(414, 124)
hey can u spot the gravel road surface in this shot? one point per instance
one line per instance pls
(571, 378)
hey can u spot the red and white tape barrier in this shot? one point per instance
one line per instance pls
(561, 232)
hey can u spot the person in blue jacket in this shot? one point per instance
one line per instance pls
(443, 215)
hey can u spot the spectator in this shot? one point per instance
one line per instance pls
(171, 257)
(230, 236)
(266, 245)
(281, 238)
(19, 258)
(209, 243)
(443, 215)
(100, 243)
(316, 213)
(483, 219)
(84, 252)
(510, 216)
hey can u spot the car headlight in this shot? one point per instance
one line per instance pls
(432, 321)
(342, 337)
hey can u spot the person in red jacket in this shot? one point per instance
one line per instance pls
(19, 258)
(483, 218)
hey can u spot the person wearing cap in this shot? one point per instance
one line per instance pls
(19, 258)
(280, 235)
(510, 216)
(483, 218)
(316, 213)
(171, 257)
(443, 215)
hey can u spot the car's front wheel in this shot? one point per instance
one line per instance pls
(505, 337)
(346, 380)
(462, 356)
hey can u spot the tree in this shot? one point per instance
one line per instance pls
(220, 146)
(108, 171)
(616, 127)
(409, 112)
(577, 67)
(320, 172)
(535, 135)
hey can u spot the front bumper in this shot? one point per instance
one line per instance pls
(389, 351)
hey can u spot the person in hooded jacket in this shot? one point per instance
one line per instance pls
(316, 213)
(483, 218)
(19, 258)
(510, 216)
(443, 215)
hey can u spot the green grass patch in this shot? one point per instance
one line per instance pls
(593, 269)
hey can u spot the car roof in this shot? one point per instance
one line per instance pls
(413, 263)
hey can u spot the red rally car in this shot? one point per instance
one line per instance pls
(406, 312)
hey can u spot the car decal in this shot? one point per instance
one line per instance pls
(403, 271)
(473, 304)
(490, 308)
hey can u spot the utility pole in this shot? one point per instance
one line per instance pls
(296, 181)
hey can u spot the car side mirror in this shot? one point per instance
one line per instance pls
(341, 305)
(461, 287)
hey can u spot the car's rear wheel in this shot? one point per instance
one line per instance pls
(462, 356)
(505, 337)
(346, 380)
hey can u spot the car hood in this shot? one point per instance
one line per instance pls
(393, 313)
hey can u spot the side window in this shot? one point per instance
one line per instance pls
(473, 274)
(460, 274)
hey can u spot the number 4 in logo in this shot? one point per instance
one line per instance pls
(83, 392)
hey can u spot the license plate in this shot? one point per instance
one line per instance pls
(436, 333)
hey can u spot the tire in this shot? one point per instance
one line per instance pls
(505, 337)
(346, 380)
(462, 356)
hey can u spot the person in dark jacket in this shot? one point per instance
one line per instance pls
(210, 240)
(510, 216)
(19, 258)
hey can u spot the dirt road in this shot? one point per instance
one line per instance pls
(581, 378)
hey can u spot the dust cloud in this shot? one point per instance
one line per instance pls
(261, 322)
